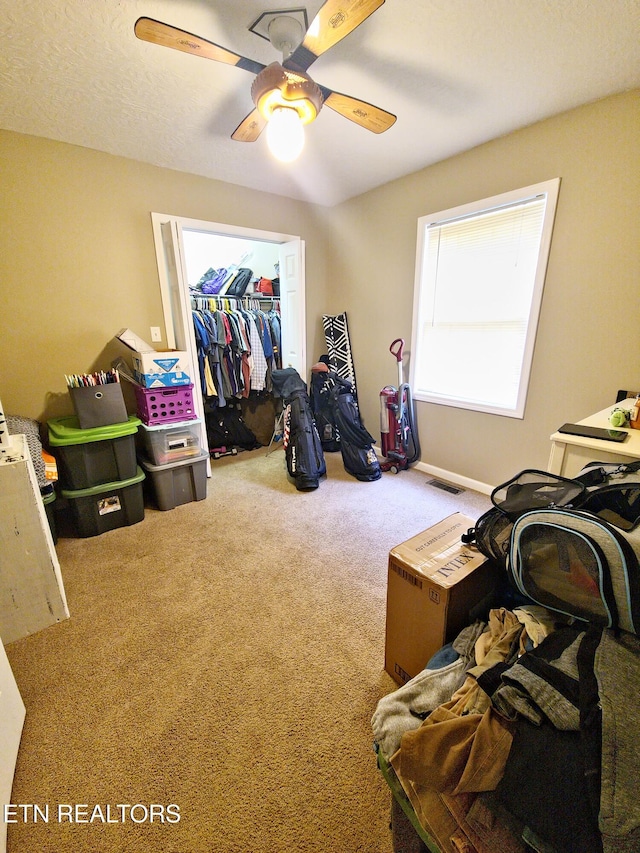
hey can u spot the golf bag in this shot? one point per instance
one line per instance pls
(322, 406)
(303, 451)
(356, 445)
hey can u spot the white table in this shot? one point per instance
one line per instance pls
(570, 453)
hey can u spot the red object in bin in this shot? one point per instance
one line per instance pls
(165, 405)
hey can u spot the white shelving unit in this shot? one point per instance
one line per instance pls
(32, 595)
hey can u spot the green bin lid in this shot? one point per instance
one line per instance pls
(63, 431)
(104, 487)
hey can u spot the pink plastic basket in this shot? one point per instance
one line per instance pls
(165, 405)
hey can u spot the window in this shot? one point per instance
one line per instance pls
(480, 272)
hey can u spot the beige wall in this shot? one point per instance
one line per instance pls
(588, 342)
(77, 259)
(77, 263)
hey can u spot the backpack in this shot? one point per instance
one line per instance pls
(212, 281)
(240, 282)
(226, 428)
(264, 286)
(578, 555)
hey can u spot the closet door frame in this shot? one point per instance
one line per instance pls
(176, 304)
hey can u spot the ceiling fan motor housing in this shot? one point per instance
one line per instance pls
(276, 87)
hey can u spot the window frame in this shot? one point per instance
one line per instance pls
(550, 189)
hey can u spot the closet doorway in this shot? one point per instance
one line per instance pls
(181, 244)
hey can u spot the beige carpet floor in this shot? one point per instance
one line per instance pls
(225, 657)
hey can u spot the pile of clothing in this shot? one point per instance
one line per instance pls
(522, 734)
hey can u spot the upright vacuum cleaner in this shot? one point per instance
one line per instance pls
(399, 437)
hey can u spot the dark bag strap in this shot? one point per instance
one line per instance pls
(596, 476)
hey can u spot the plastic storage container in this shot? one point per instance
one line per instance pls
(165, 405)
(108, 506)
(91, 457)
(48, 501)
(164, 443)
(179, 482)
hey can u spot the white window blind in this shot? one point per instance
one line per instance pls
(478, 289)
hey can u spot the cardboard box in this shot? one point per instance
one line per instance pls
(156, 368)
(436, 587)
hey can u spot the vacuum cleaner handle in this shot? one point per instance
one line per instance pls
(399, 347)
(397, 352)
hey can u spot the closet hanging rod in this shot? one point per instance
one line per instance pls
(207, 301)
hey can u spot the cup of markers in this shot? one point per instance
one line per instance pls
(91, 380)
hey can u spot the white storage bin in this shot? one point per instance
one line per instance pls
(167, 443)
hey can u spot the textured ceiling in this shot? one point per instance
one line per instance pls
(455, 72)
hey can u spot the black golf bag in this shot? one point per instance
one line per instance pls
(322, 406)
(303, 451)
(356, 444)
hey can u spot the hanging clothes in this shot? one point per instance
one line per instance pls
(273, 318)
(238, 344)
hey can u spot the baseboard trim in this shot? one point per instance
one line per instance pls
(454, 478)
(448, 476)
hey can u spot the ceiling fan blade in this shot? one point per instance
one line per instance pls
(366, 115)
(250, 127)
(335, 20)
(165, 35)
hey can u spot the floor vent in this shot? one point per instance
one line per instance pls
(446, 487)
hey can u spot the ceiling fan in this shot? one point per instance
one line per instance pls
(283, 93)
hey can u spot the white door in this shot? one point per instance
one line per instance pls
(176, 307)
(173, 252)
(292, 308)
(12, 714)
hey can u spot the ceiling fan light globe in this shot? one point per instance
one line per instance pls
(285, 134)
(276, 99)
(277, 87)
